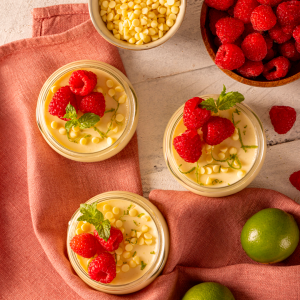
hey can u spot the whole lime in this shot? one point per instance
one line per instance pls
(270, 236)
(208, 291)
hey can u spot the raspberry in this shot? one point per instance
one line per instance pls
(270, 54)
(270, 2)
(269, 41)
(296, 34)
(288, 50)
(254, 47)
(214, 17)
(229, 57)
(278, 35)
(93, 103)
(82, 82)
(297, 45)
(248, 30)
(85, 245)
(243, 9)
(78, 99)
(59, 102)
(288, 13)
(103, 268)
(229, 29)
(219, 4)
(251, 69)
(282, 118)
(115, 238)
(216, 130)
(231, 11)
(188, 145)
(281, 65)
(263, 18)
(288, 29)
(193, 115)
(295, 180)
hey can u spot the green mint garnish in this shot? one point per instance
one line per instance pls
(92, 215)
(216, 181)
(109, 110)
(143, 265)
(134, 253)
(136, 223)
(245, 126)
(139, 215)
(129, 206)
(152, 252)
(244, 132)
(224, 102)
(187, 172)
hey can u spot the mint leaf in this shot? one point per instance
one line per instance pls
(92, 215)
(88, 120)
(69, 125)
(209, 104)
(143, 265)
(70, 112)
(223, 93)
(229, 100)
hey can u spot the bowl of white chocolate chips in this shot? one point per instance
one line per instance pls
(137, 24)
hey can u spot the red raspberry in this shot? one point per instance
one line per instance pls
(82, 82)
(188, 145)
(254, 47)
(229, 57)
(288, 13)
(193, 115)
(219, 4)
(115, 238)
(270, 2)
(263, 18)
(216, 130)
(229, 29)
(85, 245)
(103, 268)
(248, 30)
(93, 103)
(277, 34)
(282, 118)
(270, 54)
(243, 9)
(288, 29)
(296, 34)
(269, 41)
(297, 45)
(251, 69)
(59, 102)
(281, 65)
(288, 50)
(214, 17)
(231, 11)
(295, 180)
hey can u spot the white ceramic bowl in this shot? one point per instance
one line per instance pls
(107, 35)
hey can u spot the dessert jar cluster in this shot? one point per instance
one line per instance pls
(225, 168)
(91, 137)
(142, 251)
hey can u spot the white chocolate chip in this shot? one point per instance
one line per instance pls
(120, 263)
(119, 117)
(108, 215)
(73, 134)
(62, 131)
(119, 251)
(208, 170)
(148, 236)
(95, 140)
(141, 241)
(235, 137)
(110, 141)
(202, 170)
(145, 228)
(112, 221)
(54, 124)
(208, 181)
(111, 92)
(208, 147)
(118, 270)
(116, 129)
(138, 234)
(221, 155)
(128, 247)
(216, 168)
(54, 89)
(122, 99)
(126, 254)
(83, 141)
(133, 233)
(116, 210)
(232, 150)
(132, 264)
(148, 242)
(119, 223)
(236, 164)
(133, 212)
(137, 260)
(99, 89)
(76, 129)
(106, 207)
(223, 149)
(122, 230)
(119, 89)
(133, 241)
(209, 159)
(224, 170)
(125, 268)
(146, 218)
(109, 82)
(240, 174)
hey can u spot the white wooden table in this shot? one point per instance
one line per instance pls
(164, 78)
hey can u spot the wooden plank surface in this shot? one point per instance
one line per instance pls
(164, 78)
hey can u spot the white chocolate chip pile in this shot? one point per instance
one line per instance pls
(140, 21)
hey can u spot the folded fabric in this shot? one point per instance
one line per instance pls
(40, 190)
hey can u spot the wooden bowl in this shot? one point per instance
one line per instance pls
(208, 39)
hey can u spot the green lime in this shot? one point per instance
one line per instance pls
(270, 236)
(208, 291)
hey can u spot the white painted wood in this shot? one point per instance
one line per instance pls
(164, 78)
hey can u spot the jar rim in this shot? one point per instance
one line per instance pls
(223, 190)
(160, 257)
(133, 110)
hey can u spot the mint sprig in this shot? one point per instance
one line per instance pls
(92, 215)
(224, 102)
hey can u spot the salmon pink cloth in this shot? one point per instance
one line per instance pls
(40, 190)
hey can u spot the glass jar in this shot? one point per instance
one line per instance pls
(207, 190)
(158, 262)
(129, 128)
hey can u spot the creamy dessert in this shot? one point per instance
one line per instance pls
(131, 255)
(86, 136)
(225, 163)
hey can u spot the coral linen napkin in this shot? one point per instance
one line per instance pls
(40, 190)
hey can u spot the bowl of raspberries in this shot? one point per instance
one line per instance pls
(256, 42)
